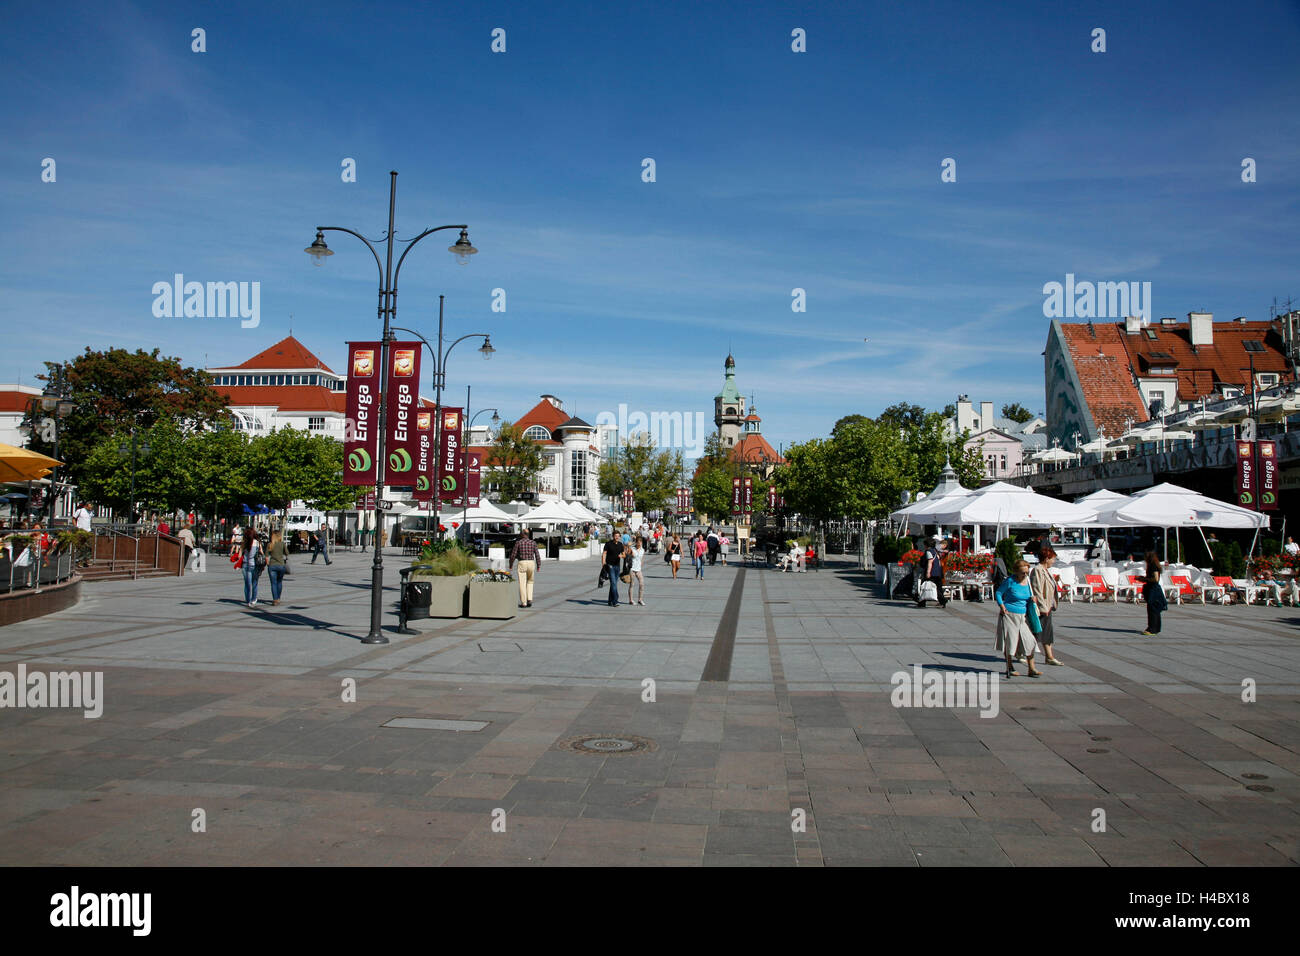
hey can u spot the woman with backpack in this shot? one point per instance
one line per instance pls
(252, 559)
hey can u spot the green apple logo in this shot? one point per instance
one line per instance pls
(359, 460)
(400, 460)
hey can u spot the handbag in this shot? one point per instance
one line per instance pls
(1031, 615)
(928, 591)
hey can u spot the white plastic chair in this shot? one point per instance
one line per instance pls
(1069, 581)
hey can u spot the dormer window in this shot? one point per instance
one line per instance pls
(537, 433)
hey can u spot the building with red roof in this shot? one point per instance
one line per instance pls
(1108, 376)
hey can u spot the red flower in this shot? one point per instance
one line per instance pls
(442, 527)
(455, 524)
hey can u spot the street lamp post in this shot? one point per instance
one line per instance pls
(122, 450)
(387, 311)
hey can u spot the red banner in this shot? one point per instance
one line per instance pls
(628, 501)
(771, 498)
(683, 500)
(451, 461)
(1269, 480)
(361, 430)
(366, 502)
(425, 457)
(475, 478)
(1246, 484)
(736, 496)
(749, 496)
(400, 438)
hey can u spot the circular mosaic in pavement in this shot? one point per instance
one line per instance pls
(606, 745)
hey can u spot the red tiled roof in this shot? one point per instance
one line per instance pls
(1105, 356)
(1102, 363)
(752, 448)
(545, 414)
(1226, 359)
(287, 398)
(287, 353)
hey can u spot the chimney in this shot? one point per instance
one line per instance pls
(986, 415)
(1202, 324)
(1132, 324)
(1168, 321)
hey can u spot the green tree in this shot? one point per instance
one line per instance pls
(515, 462)
(114, 390)
(289, 464)
(902, 415)
(846, 420)
(1017, 413)
(654, 475)
(950, 410)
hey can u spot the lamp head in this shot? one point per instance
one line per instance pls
(318, 250)
(462, 248)
(487, 349)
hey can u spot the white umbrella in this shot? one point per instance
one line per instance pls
(484, 511)
(549, 512)
(1054, 454)
(1171, 506)
(1005, 504)
(582, 512)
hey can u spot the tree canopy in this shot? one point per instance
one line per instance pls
(654, 475)
(515, 462)
(1017, 413)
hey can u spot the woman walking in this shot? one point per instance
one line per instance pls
(723, 544)
(675, 554)
(700, 548)
(638, 579)
(277, 564)
(250, 550)
(1044, 588)
(1014, 633)
(1154, 595)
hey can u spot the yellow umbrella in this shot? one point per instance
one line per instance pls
(23, 464)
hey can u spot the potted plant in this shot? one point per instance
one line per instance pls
(575, 551)
(446, 567)
(492, 594)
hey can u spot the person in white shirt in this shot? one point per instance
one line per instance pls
(82, 517)
(1291, 546)
(638, 579)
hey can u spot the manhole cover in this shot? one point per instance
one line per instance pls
(1259, 787)
(1254, 776)
(616, 745)
(1098, 750)
(1099, 740)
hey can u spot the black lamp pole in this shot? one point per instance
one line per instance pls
(387, 311)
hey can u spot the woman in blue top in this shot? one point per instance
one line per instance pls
(1013, 630)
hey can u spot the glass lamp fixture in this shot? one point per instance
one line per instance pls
(318, 250)
(462, 249)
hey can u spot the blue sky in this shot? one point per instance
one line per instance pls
(775, 170)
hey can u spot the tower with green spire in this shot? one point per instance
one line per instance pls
(729, 407)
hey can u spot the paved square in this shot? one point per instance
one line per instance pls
(798, 757)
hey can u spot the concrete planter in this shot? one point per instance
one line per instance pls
(594, 547)
(448, 598)
(574, 554)
(880, 573)
(493, 599)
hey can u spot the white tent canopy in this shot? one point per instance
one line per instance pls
(483, 512)
(1005, 504)
(583, 512)
(1171, 506)
(549, 512)
(947, 488)
(1054, 454)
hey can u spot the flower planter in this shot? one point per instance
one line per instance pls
(493, 599)
(574, 554)
(880, 573)
(448, 599)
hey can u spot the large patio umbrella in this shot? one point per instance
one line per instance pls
(578, 508)
(23, 464)
(549, 512)
(1172, 506)
(1004, 504)
(948, 487)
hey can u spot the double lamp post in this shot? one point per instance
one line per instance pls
(388, 276)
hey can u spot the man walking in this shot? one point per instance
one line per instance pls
(321, 544)
(525, 552)
(714, 546)
(933, 564)
(82, 517)
(187, 541)
(612, 558)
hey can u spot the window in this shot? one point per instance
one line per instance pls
(316, 423)
(537, 433)
(1253, 345)
(1267, 379)
(1151, 334)
(578, 474)
(1004, 462)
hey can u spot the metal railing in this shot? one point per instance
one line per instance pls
(31, 569)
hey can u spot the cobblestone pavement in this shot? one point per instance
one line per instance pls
(239, 712)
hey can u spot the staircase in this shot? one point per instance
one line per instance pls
(127, 553)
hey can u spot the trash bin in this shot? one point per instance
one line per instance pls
(413, 604)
